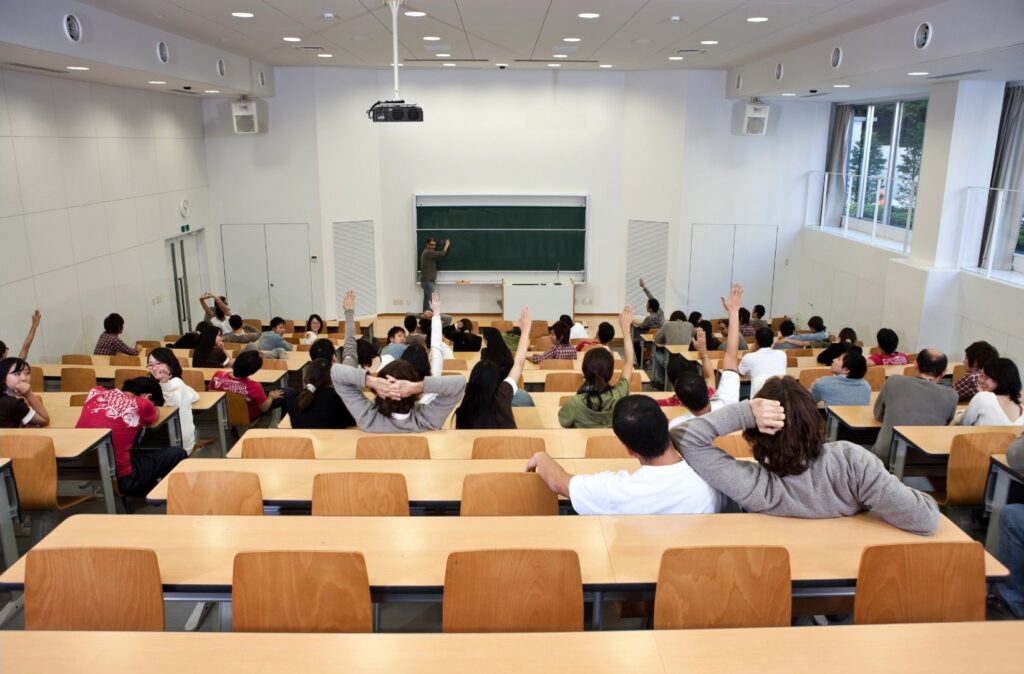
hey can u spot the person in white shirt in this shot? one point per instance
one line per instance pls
(219, 314)
(664, 483)
(764, 362)
(576, 329)
(163, 366)
(997, 402)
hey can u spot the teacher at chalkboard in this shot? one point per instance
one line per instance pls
(428, 268)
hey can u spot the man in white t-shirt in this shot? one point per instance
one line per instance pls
(763, 363)
(664, 483)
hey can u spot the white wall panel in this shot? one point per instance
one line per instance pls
(145, 165)
(80, 168)
(245, 269)
(10, 189)
(49, 240)
(149, 218)
(97, 299)
(30, 104)
(88, 232)
(116, 168)
(121, 229)
(39, 173)
(5, 117)
(16, 264)
(19, 301)
(753, 263)
(73, 108)
(130, 298)
(58, 299)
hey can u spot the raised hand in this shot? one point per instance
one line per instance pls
(700, 340)
(735, 300)
(349, 302)
(435, 304)
(525, 321)
(36, 317)
(626, 319)
(642, 284)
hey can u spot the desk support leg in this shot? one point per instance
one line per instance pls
(174, 430)
(376, 616)
(831, 428)
(1000, 494)
(199, 613)
(8, 511)
(598, 618)
(107, 474)
(13, 608)
(898, 457)
(222, 425)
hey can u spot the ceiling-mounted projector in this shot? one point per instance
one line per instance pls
(394, 111)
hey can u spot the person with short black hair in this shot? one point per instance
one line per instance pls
(695, 319)
(247, 364)
(655, 318)
(997, 403)
(396, 343)
(786, 330)
(888, 342)
(317, 405)
(914, 401)
(110, 343)
(323, 348)
(763, 362)
(975, 357)
(676, 331)
(272, 341)
(819, 333)
(241, 333)
(757, 317)
(428, 268)
(847, 386)
(560, 348)
(664, 483)
(462, 337)
(605, 334)
(19, 405)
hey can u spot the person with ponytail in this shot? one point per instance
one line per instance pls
(592, 405)
(317, 405)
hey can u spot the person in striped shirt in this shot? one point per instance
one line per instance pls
(560, 348)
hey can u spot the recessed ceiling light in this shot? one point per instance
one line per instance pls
(605, 65)
(570, 39)
(788, 94)
(392, 65)
(157, 82)
(292, 39)
(917, 74)
(431, 38)
(444, 56)
(325, 56)
(757, 19)
(76, 67)
(414, 13)
(709, 42)
(449, 65)
(501, 65)
(554, 65)
(242, 15)
(211, 91)
(588, 15)
(840, 86)
(559, 56)
(675, 58)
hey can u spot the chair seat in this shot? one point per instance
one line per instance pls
(65, 502)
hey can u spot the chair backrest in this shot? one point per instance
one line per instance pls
(813, 374)
(214, 492)
(78, 399)
(303, 347)
(875, 377)
(507, 447)
(77, 379)
(777, 323)
(969, 465)
(799, 353)
(792, 361)
(286, 591)
(729, 586)
(513, 591)
(564, 399)
(277, 448)
(875, 350)
(606, 447)
(912, 358)
(557, 364)
(121, 375)
(238, 410)
(123, 359)
(392, 447)
(959, 372)
(233, 346)
(539, 329)
(38, 379)
(503, 326)
(920, 583)
(75, 359)
(734, 444)
(507, 494)
(635, 383)
(360, 495)
(171, 339)
(563, 382)
(148, 344)
(455, 364)
(910, 371)
(275, 364)
(254, 322)
(93, 589)
(34, 462)
(540, 343)
(194, 379)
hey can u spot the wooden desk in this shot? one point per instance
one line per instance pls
(51, 372)
(73, 444)
(990, 647)
(289, 482)
(1001, 479)
(933, 441)
(547, 417)
(565, 443)
(545, 399)
(67, 417)
(8, 513)
(853, 418)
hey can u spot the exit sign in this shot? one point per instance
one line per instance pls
(184, 228)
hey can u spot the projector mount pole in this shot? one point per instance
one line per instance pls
(394, 4)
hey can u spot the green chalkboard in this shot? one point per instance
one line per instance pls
(505, 238)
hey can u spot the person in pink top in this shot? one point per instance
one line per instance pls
(888, 342)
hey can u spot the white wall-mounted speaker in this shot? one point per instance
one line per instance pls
(243, 114)
(755, 121)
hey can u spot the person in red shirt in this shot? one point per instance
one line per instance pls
(247, 364)
(888, 342)
(605, 334)
(127, 413)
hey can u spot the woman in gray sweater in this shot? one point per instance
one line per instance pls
(794, 474)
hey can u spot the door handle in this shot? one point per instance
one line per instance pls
(179, 300)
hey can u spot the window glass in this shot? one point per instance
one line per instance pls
(908, 162)
(875, 186)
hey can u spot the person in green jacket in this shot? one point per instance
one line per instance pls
(592, 405)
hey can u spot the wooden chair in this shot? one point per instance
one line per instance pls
(254, 322)
(286, 591)
(563, 382)
(38, 379)
(292, 339)
(912, 358)
(813, 374)
(75, 359)
(34, 463)
(959, 372)
(969, 467)
(121, 375)
(455, 364)
(194, 379)
(122, 359)
(920, 583)
(289, 326)
(875, 377)
(875, 350)
(275, 364)
(799, 353)
(77, 379)
(910, 371)
(503, 326)
(214, 493)
(565, 399)
(393, 447)
(557, 364)
(539, 329)
(233, 346)
(777, 323)
(303, 347)
(735, 445)
(513, 591)
(729, 586)
(635, 384)
(360, 495)
(148, 344)
(606, 447)
(540, 343)
(93, 589)
(78, 399)
(238, 411)
(277, 448)
(507, 447)
(171, 339)
(507, 494)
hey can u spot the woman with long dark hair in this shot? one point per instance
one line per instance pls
(489, 392)
(318, 404)
(592, 405)
(19, 405)
(209, 351)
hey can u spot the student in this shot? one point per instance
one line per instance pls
(592, 405)
(664, 483)
(605, 334)
(246, 365)
(164, 367)
(29, 338)
(819, 334)
(997, 402)
(109, 342)
(396, 343)
(190, 339)
(846, 341)
(764, 362)
(794, 474)
(746, 329)
(314, 326)
(318, 404)
(209, 351)
(219, 314)
(576, 329)
(272, 341)
(126, 413)
(241, 333)
(495, 350)
(975, 357)
(560, 348)
(914, 401)
(696, 319)
(676, 331)
(655, 318)
(417, 356)
(847, 386)
(888, 341)
(758, 321)
(324, 348)
(412, 331)
(712, 342)
(19, 406)
(488, 399)
(462, 337)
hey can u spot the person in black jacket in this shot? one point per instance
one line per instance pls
(847, 341)
(317, 405)
(462, 337)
